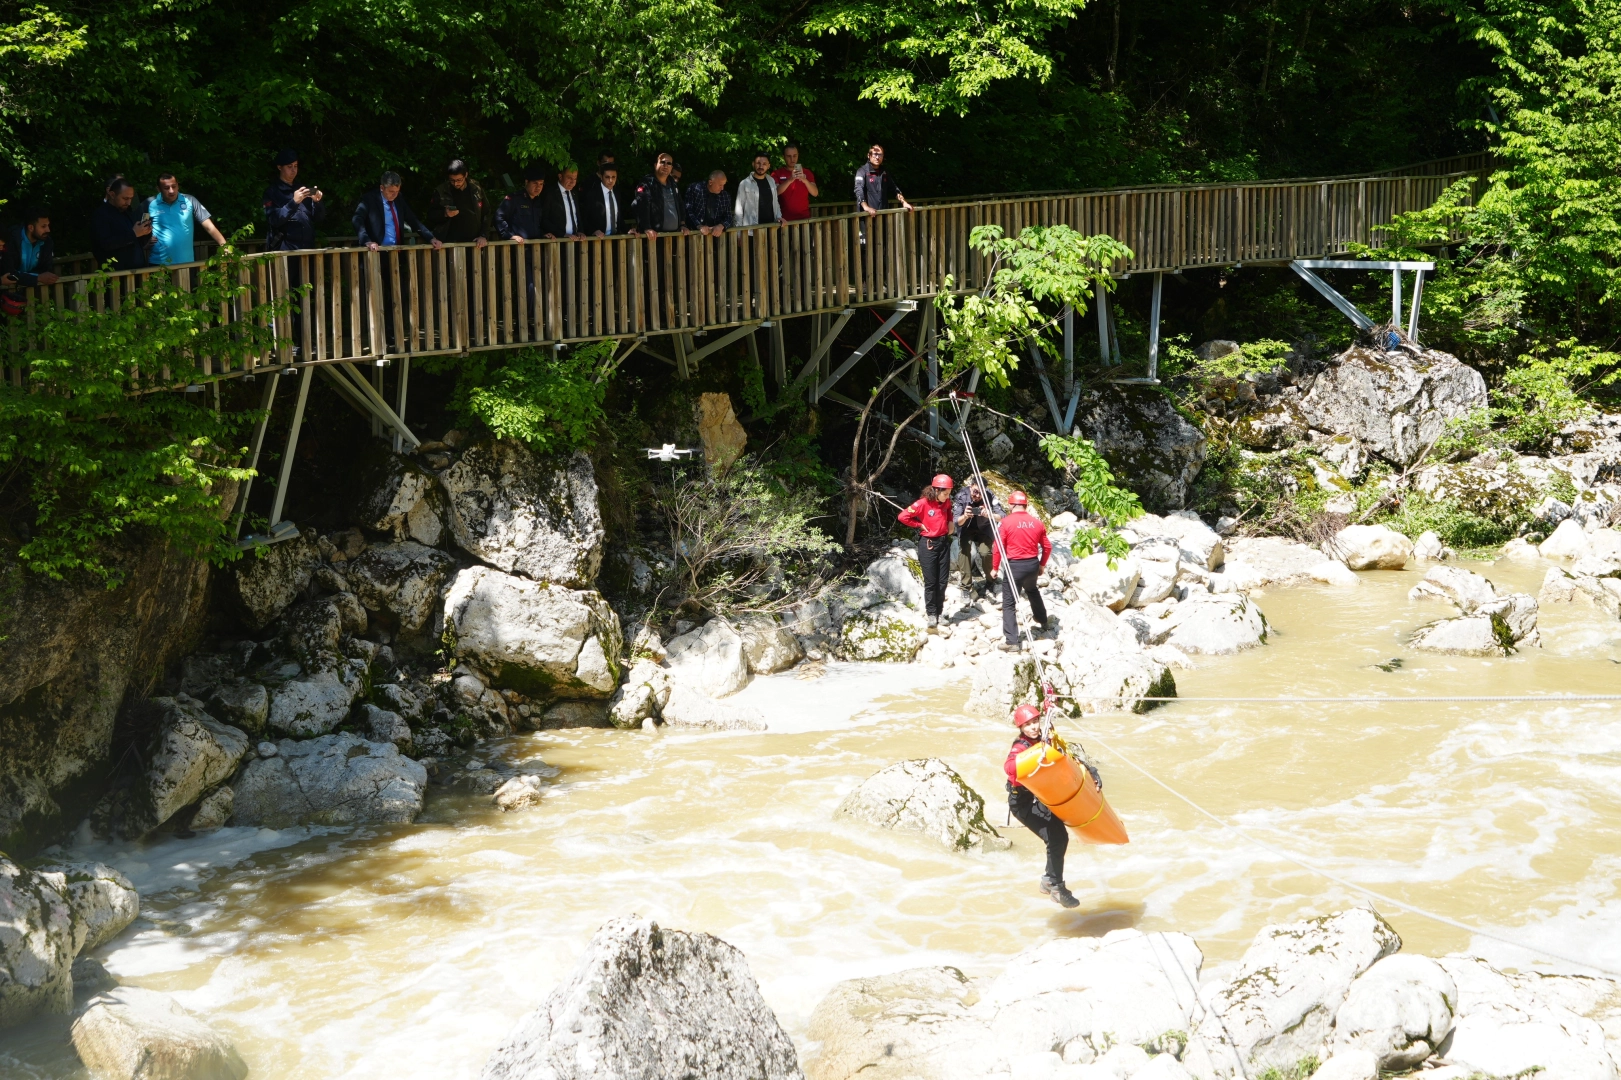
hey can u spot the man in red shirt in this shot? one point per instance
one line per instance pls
(795, 185)
(931, 517)
(1024, 538)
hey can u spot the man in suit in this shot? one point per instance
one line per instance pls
(381, 217)
(601, 213)
(560, 211)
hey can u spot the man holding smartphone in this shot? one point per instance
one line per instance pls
(974, 511)
(291, 209)
(796, 185)
(117, 235)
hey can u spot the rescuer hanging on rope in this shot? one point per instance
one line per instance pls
(1024, 538)
(931, 517)
(1032, 813)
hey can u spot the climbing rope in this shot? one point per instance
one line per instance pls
(1286, 856)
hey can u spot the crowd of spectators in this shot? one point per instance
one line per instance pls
(128, 232)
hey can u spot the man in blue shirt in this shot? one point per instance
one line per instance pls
(382, 215)
(175, 218)
(28, 257)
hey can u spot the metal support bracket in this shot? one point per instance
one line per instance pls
(720, 343)
(305, 377)
(902, 309)
(373, 400)
(1306, 267)
(822, 347)
(1046, 384)
(259, 429)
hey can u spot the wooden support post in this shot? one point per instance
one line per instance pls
(682, 371)
(306, 375)
(265, 404)
(779, 354)
(754, 347)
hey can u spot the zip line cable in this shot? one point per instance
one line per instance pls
(1402, 905)
(1546, 699)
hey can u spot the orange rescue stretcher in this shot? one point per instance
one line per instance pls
(1069, 791)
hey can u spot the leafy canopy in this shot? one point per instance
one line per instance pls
(88, 456)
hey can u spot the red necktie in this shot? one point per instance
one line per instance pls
(398, 235)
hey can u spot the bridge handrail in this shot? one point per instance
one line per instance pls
(414, 300)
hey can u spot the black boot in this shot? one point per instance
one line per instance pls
(1062, 896)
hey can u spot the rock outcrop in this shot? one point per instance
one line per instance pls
(398, 496)
(311, 705)
(101, 901)
(1400, 1011)
(654, 1003)
(37, 945)
(1143, 437)
(541, 640)
(132, 1034)
(74, 652)
(269, 580)
(524, 515)
(191, 753)
(333, 780)
(1490, 624)
(400, 583)
(1395, 402)
(1370, 547)
(711, 658)
(721, 436)
(1280, 1005)
(926, 796)
(1517, 1025)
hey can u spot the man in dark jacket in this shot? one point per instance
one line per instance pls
(381, 217)
(518, 217)
(709, 206)
(600, 211)
(29, 254)
(875, 188)
(559, 212)
(114, 234)
(657, 206)
(291, 208)
(459, 211)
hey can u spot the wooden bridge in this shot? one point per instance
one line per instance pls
(662, 295)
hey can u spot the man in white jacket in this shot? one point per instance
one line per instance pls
(757, 197)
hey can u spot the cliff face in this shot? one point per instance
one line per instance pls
(70, 654)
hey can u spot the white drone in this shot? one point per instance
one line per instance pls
(668, 452)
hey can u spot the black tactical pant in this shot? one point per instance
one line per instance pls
(1034, 815)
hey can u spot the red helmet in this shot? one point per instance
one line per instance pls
(1018, 498)
(1024, 714)
(942, 482)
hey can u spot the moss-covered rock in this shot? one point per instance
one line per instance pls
(889, 632)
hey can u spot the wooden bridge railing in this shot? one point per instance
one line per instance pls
(416, 301)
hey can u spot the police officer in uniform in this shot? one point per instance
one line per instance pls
(518, 217)
(291, 209)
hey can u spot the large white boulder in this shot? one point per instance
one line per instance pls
(1400, 1010)
(37, 944)
(190, 754)
(535, 638)
(1094, 580)
(102, 900)
(526, 516)
(1568, 541)
(1503, 1027)
(129, 1033)
(1470, 635)
(1463, 588)
(311, 704)
(1212, 625)
(400, 497)
(1279, 1005)
(654, 1003)
(642, 696)
(1102, 667)
(1370, 547)
(1126, 988)
(338, 779)
(767, 645)
(1001, 682)
(688, 707)
(1259, 562)
(711, 658)
(1396, 403)
(917, 1024)
(890, 632)
(401, 582)
(1197, 542)
(894, 575)
(923, 795)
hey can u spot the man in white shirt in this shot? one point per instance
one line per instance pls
(757, 197)
(601, 213)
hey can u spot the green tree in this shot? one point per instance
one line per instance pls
(96, 444)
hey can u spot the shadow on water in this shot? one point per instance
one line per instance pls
(1084, 922)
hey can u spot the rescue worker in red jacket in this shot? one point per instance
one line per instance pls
(1024, 538)
(1033, 813)
(931, 517)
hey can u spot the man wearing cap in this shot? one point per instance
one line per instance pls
(459, 212)
(291, 209)
(931, 517)
(1024, 538)
(518, 217)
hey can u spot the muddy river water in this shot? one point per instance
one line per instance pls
(409, 951)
